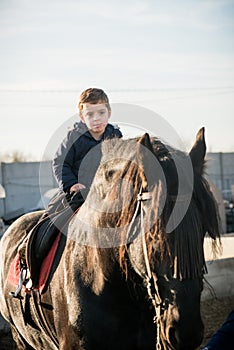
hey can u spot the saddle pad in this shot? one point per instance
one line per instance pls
(47, 265)
(14, 270)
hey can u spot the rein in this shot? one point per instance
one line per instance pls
(150, 278)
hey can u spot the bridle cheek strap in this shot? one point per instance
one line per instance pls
(150, 278)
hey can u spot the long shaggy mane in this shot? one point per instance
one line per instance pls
(183, 246)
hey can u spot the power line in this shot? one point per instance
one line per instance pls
(158, 89)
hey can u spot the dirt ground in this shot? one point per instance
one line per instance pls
(214, 313)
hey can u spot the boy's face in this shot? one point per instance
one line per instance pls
(95, 116)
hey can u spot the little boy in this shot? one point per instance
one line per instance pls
(74, 166)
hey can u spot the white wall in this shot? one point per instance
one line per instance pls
(220, 268)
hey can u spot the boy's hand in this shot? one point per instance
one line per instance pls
(76, 187)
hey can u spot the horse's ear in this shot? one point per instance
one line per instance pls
(198, 151)
(145, 141)
(144, 149)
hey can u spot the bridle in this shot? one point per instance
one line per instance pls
(149, 277)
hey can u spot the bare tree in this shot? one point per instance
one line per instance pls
(14, 156)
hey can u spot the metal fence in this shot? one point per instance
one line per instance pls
(24, 184)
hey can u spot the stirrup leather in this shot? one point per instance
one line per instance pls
(24, 280)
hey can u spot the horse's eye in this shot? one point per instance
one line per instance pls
(109, 174)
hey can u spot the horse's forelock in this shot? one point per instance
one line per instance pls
(118, 148)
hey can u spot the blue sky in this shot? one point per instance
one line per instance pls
(183, 51)
(150, 43)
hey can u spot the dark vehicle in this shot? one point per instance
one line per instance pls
(230, 217)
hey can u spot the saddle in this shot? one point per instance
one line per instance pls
(42, 238)
(39, 241)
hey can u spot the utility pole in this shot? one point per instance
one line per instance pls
(221, 171)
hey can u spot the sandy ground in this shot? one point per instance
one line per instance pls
(214, 313)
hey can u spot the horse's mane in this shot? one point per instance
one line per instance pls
(183, 246)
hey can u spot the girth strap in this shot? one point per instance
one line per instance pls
(41, 318)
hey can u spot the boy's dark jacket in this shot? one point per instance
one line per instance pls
(73, 162)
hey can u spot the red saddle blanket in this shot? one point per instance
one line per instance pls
(14, 270)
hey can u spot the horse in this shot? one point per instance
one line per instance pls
(129, 270)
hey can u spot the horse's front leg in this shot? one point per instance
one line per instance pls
(68, 340)
(20, 342)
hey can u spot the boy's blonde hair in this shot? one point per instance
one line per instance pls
(94, 96)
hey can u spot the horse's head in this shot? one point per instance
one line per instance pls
(155, 204)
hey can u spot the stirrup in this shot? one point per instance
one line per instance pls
(23, 278)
